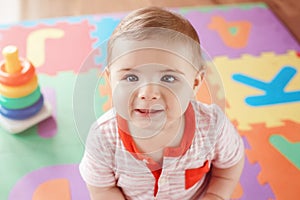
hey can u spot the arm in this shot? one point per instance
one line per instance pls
(223, 182)
(104, 193)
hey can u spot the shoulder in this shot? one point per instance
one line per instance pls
(106, 120)
(105, 128)
(210, 120)
(209, 113)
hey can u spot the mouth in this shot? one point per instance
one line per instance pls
(148, 112)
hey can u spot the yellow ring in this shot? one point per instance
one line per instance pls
(19, 91)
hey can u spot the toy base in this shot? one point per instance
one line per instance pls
(17, 126)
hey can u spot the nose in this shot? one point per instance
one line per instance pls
(149, 92)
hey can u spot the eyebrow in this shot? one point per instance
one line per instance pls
(172, 70)
(127, 69)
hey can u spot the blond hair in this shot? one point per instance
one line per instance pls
(146, 23)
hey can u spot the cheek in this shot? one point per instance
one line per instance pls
(122, 99)
(178, 99)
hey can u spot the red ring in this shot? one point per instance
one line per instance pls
(19, 78)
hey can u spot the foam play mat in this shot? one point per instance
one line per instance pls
(258, 61)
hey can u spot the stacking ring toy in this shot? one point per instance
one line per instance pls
(19, 91)
(19, 103)
(27, 72)
(23, 113)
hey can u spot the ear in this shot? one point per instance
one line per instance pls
(106, 74)
(198, 80)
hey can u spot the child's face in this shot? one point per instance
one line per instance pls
(152, 87)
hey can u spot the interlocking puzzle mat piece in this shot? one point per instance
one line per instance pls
(289, 149)
(278, 165)
(44, 44)
(62, 182)
(104, 26)
(263, 89)
(239, 30)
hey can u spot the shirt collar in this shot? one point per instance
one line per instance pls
(186, 141)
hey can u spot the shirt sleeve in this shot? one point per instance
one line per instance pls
(96, 166)
(229, 146)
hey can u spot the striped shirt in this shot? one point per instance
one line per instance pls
(112, 158)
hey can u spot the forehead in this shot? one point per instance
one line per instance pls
(128, 53)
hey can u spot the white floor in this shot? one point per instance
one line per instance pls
(9, 11)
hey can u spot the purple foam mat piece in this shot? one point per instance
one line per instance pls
(267, 33)
(25, 187)
(251, 187)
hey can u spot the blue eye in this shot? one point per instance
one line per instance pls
(131, 78)
(168, 78)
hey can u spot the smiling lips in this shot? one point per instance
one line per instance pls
(146, 112)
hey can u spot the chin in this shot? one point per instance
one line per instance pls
(149, 122)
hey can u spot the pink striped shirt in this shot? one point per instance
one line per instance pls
(111, 157)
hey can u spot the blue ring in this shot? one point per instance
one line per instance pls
(24, 113)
